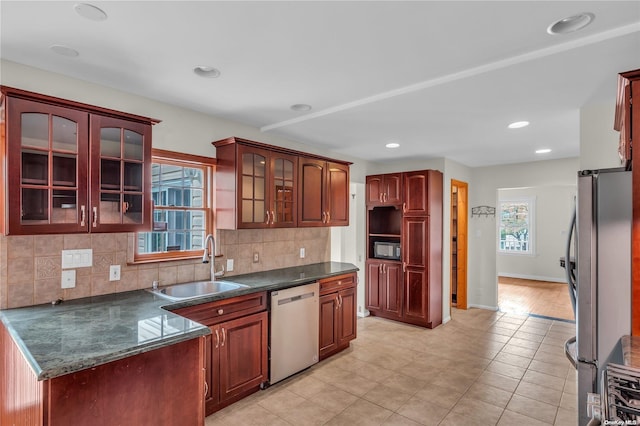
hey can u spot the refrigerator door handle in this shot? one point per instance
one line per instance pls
(571, 279)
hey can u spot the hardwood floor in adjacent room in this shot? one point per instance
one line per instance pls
(549, 299)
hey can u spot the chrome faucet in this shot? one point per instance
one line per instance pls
(205, 255)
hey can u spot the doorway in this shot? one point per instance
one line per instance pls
(459, 217)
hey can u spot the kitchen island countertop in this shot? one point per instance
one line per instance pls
(82, 333)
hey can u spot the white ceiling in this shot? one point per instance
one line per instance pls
(442, 78)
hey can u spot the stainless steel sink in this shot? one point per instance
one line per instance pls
(195, 289)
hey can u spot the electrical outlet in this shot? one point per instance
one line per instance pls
(229, 265)
(302, 253)
(68, 278)
(256, 257)
(114, 273)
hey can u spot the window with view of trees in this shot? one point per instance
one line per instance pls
(516, 226)
(180, 187)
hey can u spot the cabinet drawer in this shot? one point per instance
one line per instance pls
(224, 310)
(340, 282)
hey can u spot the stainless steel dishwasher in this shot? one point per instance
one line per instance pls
(294, 330)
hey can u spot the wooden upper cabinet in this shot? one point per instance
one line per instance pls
(73, 167)
(263, 186)
(324, 193)
(384, 190)
(422, 192)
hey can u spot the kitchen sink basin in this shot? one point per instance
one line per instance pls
(195, 289)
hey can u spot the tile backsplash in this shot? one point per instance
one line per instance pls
(30, 266)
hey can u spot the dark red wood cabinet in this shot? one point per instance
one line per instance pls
(408, 289)
(627, 121)
(162, 386)
(265, 186)
(236, 352)
(73, 167)
(338, 314)
(384, 190)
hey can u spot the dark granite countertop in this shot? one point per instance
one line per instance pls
(82, 333)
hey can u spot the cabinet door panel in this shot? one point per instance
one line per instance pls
(337, 197)
(283, 190)
(393, 188)
(47, 166)
(415, 241)
(374, 286)
(311, 192)
(374, 190)
(392, 302)
(328, 322)
(416, 296)
(120, 191)
(347, 320)
(243, 354)
(416, 197)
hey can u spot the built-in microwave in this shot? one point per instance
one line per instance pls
(386, 250)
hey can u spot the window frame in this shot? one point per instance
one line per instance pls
(531, 201)
(207, 164)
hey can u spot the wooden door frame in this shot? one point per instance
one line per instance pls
(462, 240)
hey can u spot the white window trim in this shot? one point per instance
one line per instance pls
(532, 225)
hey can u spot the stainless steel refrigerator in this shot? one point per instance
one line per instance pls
(603, 276)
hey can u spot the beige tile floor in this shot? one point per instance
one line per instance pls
(481, 368)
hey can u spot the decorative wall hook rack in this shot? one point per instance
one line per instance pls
(483, 211)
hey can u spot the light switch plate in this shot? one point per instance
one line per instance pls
(69, 278)
(229, 265)
(302, 253)
(77, 258)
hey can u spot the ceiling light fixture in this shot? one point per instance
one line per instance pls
(208, 72)
(392, 145)
(64, 50)
(300, 107)
(90, 11)
(571, 24)
(518, 124)
(543, 151)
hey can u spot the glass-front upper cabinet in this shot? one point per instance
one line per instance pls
(120, 157)
(46, 168)
(283, 192)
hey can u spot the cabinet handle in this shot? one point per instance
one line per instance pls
(273, 217)
(337, 302)
(380, 197)
(380, 268)
(328, 217)
(267, 215)
(340, 296)
(217, 339)
(206, 388)
(220, 311)
(404, 207)
(404, 266)
(384, 197)
(224, 338)
(95, 217)
(324, 217)
(83, 215)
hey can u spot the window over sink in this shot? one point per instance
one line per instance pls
(181, 188)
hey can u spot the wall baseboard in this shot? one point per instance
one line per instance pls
(490, 308)
(533, 277)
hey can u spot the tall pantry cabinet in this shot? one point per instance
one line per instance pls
(405, 284)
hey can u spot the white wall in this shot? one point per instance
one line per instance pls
(553, 210)
(482, 273)
(598, 140)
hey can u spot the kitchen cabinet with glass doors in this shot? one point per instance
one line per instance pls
(73, 167)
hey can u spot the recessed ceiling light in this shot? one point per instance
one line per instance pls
(543, 151)
(64, 50)
(301, 107)
(208, 72)
(518, 124)
(392, 145)
(89, 11)
(571, 24)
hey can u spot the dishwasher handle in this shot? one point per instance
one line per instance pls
(295, 298)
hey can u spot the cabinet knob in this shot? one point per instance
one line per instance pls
(220, 311)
